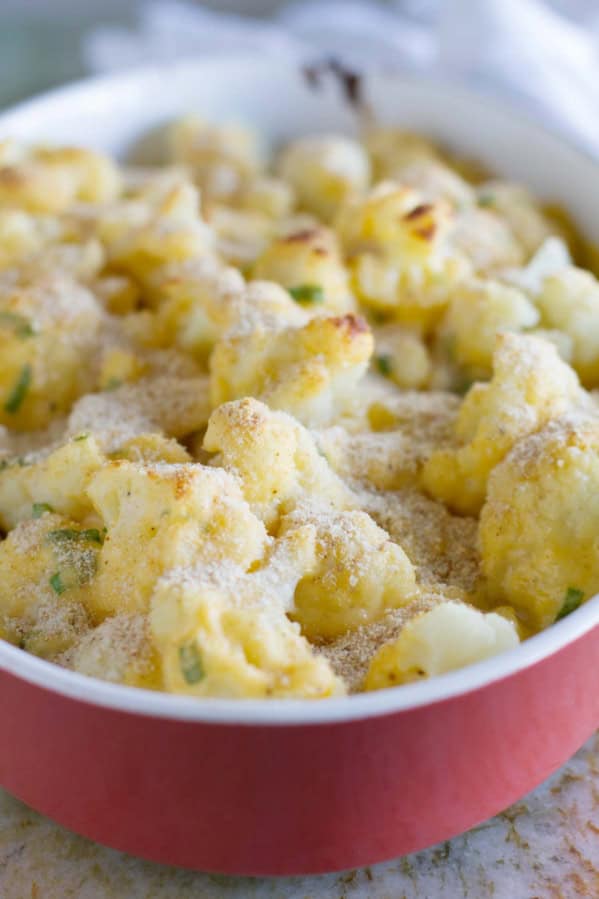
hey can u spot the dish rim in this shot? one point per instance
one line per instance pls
(297, 712)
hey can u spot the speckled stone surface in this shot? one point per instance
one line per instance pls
(547, 845)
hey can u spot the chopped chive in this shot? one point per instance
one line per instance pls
(4, 463)
(191, 663)
(57, 584)
(40, 508)
(19, 391)
(79, 437)
(112, 384)
(464, 385)
(448, 344)
(486, 200)
(572, 601)
(384, 365)
(21, 326)
(91, 535)
(307, 293)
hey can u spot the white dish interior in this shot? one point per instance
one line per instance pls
(119, 113)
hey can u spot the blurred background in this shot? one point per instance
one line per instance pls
(541, 53)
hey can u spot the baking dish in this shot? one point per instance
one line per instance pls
(289, 787)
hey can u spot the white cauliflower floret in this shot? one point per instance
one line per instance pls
(538, 527)
(310, 371)
(401, 259)
(230, 636)
(170, 404)
(142, 235)
(55, 481)
(324, 170)
(221, 157)
(360, 573)
(49, 326)
(515, 204)
(436, 181)
(46, 567)
(449, 636)
(119, 650)
(530, 386)
(486, 240)
(392, 150)
(477, 312)
(49, 179)
(169, 515)
(274, 457)
(569, 301)
(402, 356)
(308, 263)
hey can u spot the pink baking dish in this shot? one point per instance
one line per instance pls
(288, 787)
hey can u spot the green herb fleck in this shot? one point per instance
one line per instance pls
(19, 391)
(57, 584)
(112, 384)
(463, 385)
(79, 437)
(91, 535)
(384, 365)
(4, 463)
(20, 325)
(40, 508)
(486, 200)
(191, 663)
(307, 293)
(448, 345)
(572, 601)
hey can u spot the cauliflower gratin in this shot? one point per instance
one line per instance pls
(289, 425)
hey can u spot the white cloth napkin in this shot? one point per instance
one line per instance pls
(521, 50)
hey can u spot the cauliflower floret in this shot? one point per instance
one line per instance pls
(436, 181)
(393, 150)
(477, 312)
(569, 301)
(275, 458)
(486, 240)
(55, 481)
(309, 371)
(170, 404)
(324, 171)
(230, 636)
(152, 448)
(552, 257)
(220, 157)
(169, 515)
(195, 301)
(23, 235)
(119, 650)
(402, 356)
(268, 195)
(48, 328)
(359, 575)
(308, 263)
(530, 386)
(401, 259)
(538, 528)
(202, 302)
(517, 206)
(449, 636)
(46, 567)
(48, 179)
(142, 235)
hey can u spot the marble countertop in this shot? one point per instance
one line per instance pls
(544, 847)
